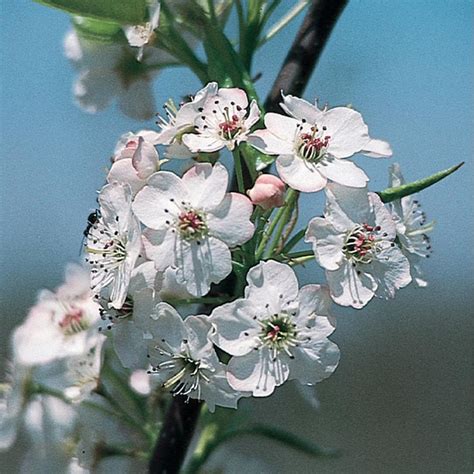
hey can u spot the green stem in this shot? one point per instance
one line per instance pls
(267, 233)
(293, 241)
(288, 209)
(238, 170)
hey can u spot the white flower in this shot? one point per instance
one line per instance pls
(135, 159)
(223, 121)
(411, 227)
(50, 423)
(194, 223)
(354, 242)
(312, 144)
(82, 372)
(114, 242)
(61, 324)
(103, 430)
(276, 332)
(110, 70)
(182, 356)
(181, 121)
(140, 35)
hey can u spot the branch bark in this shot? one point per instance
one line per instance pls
(305, 51)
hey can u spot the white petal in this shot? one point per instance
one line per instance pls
(202, 143)
(199, 265)
(314, 302)
(266, 142)
(313, 364)
(271, 283)
(349, 288)
(343, 172)
(236, 330)
(253, 115)
(94, 90)
(207, 185)
(129, 345)
(383, 218)
(299, 174)
(137, 100)
(348, 132)
(160, 246)
(155, 204)
(255, 372)
(124, 172)
(145, 159)
(281, 126)
(347, 206)
(230, 221)
(327, 243)
(391, 270)
(301, 109)
(377, 149)
(167, 324)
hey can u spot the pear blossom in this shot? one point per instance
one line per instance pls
(276, 332)
(111, 70)
(139, 36)
(355, 243)
(182, 356)
(267, 192)
(181, 121)
(312, 144)
(114, 243)
(135, 159)
(82, 372)
(50, 423)
(60, 324)
(223, 121)
(411, 226)
(103, 435)
(192, 223)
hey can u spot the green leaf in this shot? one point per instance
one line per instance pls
(391, 194)
(130, 12)
(97, 30)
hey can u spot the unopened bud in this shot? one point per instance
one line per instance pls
(267, 192)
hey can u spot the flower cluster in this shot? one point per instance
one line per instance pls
(160, 240)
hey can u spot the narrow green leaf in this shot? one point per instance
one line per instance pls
(390, 194)
(290, 439)
(122, 11)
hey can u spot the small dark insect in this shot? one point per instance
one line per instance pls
(92, 218)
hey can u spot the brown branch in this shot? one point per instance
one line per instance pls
(305, 50)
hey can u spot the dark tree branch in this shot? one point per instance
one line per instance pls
(175, 436)
(305, 50)
(181, 419)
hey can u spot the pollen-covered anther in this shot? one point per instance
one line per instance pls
(312, 146)
(362, 243)
(73, 322)
(192, 225)
(279, 333)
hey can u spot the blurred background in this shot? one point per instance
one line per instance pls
(400, 400)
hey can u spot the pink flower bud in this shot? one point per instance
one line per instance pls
(267, 192)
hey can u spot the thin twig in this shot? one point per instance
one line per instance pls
(305, 50)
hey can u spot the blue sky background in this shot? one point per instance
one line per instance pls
(407, 67)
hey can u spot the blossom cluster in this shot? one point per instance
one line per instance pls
(161, 243)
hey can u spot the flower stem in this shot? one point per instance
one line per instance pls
(238, 170)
